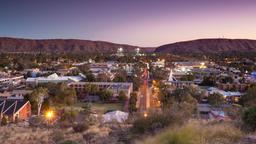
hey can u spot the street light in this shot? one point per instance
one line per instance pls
(49, 116)
(145, 115)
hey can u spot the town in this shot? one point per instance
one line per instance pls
(121, 96)
(127, 72)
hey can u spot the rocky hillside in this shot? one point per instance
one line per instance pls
(209, 46)
(63, 45)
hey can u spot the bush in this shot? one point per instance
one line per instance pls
(4, 121)
(58, 136)
(249, 119)
(80, 127)
(105, 95)
(36, 121)
(216, 99)
(197, 133)
(122, 96)
(248, 100)
(153, 122)
(69, 115)
(69, 142)
(133, 102)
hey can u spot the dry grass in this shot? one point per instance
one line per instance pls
(15, 135)
(197, 133)
(26, 135)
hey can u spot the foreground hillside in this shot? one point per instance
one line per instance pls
(209, 46)
(62, 45)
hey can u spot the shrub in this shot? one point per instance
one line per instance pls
(152, 123)
(58, 136)
(80, 127)
(216, 99)
(122, 96)
(249, 119)
(4, 121)
(69, 142)
(197, 133)
(248, 100)
(69, 115)
(35, 121)
(89, 136)
(133, 102)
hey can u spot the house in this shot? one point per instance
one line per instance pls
(15, 110)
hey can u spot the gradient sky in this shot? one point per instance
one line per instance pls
(135, 22)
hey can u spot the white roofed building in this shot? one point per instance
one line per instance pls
(54, 78)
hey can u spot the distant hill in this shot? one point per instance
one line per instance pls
(63, 46)
(209, 46)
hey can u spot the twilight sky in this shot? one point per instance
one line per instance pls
(135, 22)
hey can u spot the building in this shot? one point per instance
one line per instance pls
(11, 80)
(15, 94)
(159, 63)
(234, 86)
(181, 84)
(54, 78)
(15, 110)
(231, 97)
(191, 64)
(120, 52)
(178, 84)
(96, 67)
(137, 52)
(115, 87)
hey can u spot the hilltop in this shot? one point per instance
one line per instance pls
(209, 46)
(63, 46)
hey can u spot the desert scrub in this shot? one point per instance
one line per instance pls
(197, 133)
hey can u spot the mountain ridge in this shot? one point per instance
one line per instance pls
(10, 44)
(211, 45)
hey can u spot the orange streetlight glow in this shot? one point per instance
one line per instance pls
(145, 115)
(49, 114)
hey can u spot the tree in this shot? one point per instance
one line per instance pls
(165, 95)
(137, 82)
(120, 76)
(249, 99)
(195, 93)
(105, 95)
(216, 99)
(38, 96)
(4, 120)
(159, 74)
(209, 81)
(133, 102)
(103, 77)
(87, 109)
(122, 96)
(249, 118)
(89, 76)
(189, 77)
(227, 80)
(179, 101)
(64, 95)
(91, 89)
